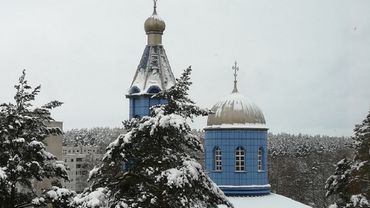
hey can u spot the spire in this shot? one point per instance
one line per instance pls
(154, 71)
(236, 69)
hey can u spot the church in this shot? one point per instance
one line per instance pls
(235, 135)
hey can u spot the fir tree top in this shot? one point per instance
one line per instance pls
(158, 152)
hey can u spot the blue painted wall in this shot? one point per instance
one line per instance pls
(228, 140)
(140, 105)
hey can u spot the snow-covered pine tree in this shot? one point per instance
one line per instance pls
(158, 151)
(57, 197)
(351, 182)
(23, 156)
(336, 184)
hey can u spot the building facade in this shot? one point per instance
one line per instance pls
(236, 146)
(80, 160)
(54, 145)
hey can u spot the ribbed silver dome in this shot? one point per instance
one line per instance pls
(235, 109)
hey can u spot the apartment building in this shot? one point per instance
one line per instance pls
(80, 160)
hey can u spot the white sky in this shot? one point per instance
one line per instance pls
(305, 63)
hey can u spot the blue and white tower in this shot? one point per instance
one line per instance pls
(153, 73)
(236, 146)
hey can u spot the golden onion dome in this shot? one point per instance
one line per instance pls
(154, 24)
(235, 109)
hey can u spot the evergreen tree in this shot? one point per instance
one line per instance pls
(57, 197)
(23, 157)
(158, 153)
(351, 182)
(337, 183)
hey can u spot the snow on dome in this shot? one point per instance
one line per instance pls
(266, 201)
(235, 109)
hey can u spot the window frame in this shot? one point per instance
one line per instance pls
(260, 159)
(217, 159)
(240, 159)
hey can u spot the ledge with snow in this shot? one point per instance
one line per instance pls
(265, 201)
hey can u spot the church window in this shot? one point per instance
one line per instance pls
(260, 157)
(217, 159)
(239, 159)
(154, 89)
(134, 90)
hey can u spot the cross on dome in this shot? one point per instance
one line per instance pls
(155, 6)
(236, 69)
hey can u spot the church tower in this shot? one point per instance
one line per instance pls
(153, 73)
(236, 146)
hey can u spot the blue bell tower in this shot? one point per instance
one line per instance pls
(153, 73)
(236, 146)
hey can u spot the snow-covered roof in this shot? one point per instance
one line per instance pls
(235, 109)
(266, 201)
(153, 73)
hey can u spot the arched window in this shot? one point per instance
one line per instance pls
(239, 159)
(260, 159)
(217, 159)
(154, 89)
(134, 90)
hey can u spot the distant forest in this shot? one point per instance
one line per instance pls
(298, 164)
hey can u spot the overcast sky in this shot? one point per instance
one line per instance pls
(305, 63)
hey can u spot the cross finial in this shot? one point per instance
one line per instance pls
(155, 6)
(236, 69)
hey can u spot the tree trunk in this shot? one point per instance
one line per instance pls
(12, 197)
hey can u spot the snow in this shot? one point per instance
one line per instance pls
(19, 140)
(267, 201)
(153, 71)
(121, 140)
(47, 155)
(93, 172)
(3, 175)
(57, 193)
(38, 201)
(163, 121)
(60, 165)
(358, 166)
(183, 176)
(360, 200)
(19, 168)
(36, 144)
(246, 186)
(238, 126)
(236, 102)
(34, 163)
(95, 199)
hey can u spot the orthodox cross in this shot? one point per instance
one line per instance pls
(155, 6)
(236, 69)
